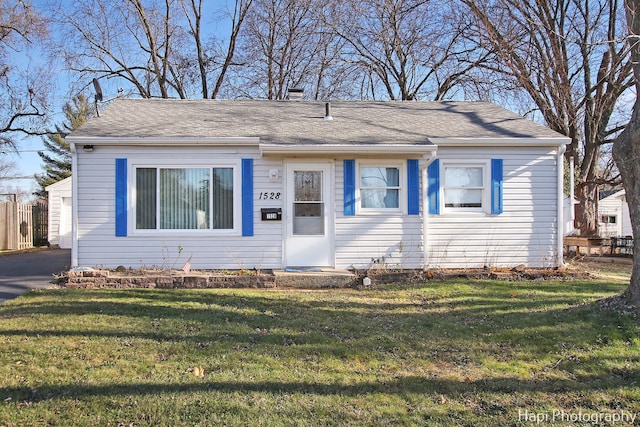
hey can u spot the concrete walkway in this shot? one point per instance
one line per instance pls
(22, 271)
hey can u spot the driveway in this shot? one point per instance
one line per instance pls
(23, 271)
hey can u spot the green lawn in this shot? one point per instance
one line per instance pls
(472, 353)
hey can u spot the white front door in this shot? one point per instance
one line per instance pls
(309, 214)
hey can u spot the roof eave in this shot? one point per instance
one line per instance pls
(57, 184)
(347, 149)
(164, 141)
(501, 142)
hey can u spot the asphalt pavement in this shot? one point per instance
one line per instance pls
(22, 271)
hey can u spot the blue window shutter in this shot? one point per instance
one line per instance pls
(247, 197)
(496, 186)
(433, 188)
(349, 187)
(121, 197)
(413, 187)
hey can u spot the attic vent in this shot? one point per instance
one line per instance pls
(295, 94)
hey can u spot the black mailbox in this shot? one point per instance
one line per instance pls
(271, 214)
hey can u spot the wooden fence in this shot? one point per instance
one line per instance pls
(16, 226)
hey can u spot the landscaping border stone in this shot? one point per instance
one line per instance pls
(89, 278)
(92, 279)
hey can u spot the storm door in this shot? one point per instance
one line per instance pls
(309, 231)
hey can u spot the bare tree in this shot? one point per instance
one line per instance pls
(569, 56)
(23, 103)
(193, 12)
(158, 47)
(214, 58)
(626, 152)
(114, 39)
(405, 49)
(8, 172)
(141, 43)
(332, 76)
(153, 30)
(239, 14)
(278, 48)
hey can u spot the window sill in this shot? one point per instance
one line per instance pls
(462, 214)
(185, 233)
(390, 212)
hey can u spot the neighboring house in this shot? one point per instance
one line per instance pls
(59, 216)
(264, 184)
(613, 214)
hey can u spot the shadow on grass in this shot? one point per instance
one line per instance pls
(483, 298)
(493, 311)
(434, 323)
(404, 385)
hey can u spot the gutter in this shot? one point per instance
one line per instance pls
(429, 158)
(164, 141)
(500, 142)
(572, 192)
(560, 207)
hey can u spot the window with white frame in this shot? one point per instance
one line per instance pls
(464, 186)
(379, 187)
(185, 198)
(608, 219)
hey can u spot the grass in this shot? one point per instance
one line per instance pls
(454, 353)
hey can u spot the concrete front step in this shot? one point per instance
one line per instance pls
(314, 278)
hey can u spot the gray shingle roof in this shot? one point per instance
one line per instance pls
(301, 122)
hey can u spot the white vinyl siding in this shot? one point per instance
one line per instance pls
(389, 242)
(525, 233)
(98, 245)
(392, 240)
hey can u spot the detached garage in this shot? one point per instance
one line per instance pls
(60, 208)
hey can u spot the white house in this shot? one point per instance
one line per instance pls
(265, 184)
(613, 214)
(59, 213)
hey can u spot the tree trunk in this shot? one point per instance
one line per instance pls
(587, 210)
(626, 153)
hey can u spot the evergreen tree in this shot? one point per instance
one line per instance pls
(57, 157)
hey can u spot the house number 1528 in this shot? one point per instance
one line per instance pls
(269, 196)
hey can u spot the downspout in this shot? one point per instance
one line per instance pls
(429, 158)
(74, 205)
(560, 207)
(572, 191)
